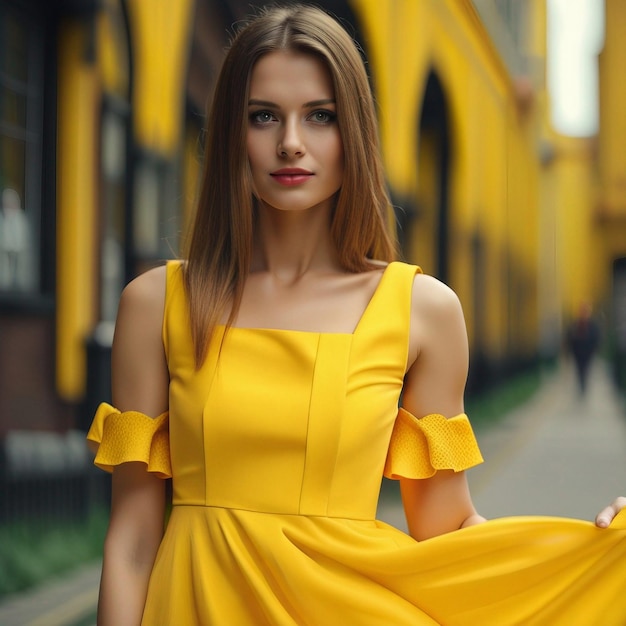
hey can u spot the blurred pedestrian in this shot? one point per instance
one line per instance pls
(583, 340)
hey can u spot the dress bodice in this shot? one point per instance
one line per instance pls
(285, 421)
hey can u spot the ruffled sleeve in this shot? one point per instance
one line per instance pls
(420, 447)
(130, 436)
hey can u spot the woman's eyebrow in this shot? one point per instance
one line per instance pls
(317, 103)
(262, 103)
(306, 105)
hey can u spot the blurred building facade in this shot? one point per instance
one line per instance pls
(100, 144)
(609, 208)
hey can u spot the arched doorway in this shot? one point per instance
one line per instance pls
(428, 239)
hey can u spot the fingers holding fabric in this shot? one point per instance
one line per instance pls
(606, 516)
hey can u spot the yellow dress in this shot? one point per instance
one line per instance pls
(277, 450)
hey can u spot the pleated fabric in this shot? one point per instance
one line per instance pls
(278, 445)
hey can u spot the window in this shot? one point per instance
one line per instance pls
(156, 210)
(113, 181)
(21, 102)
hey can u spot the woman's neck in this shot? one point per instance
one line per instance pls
(289, 244)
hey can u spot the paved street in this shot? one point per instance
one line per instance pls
(559, 454)
(64, 602)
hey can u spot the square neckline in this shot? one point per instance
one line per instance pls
(366, 311)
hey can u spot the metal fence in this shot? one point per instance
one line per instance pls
(48, 475)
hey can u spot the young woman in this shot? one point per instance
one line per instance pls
(264, 373)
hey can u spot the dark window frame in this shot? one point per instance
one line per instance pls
(38, 134)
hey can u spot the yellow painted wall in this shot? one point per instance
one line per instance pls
(574, 249)
(421, 244)
(589, 178)
(77, 186)
(112, 49)
(610, 201)
(159, 33)
(612, 113)
(494, 179)
(160, 36)
(585, 187)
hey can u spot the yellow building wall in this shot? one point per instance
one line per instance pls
(160, 36)
(112, 47)
(612, 150)
(610, 206)
(573, 246)
(494, 175)
(428, 180)
(77, 124)
(590, 180)
(586, 185)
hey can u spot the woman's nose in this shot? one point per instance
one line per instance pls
(291, 143)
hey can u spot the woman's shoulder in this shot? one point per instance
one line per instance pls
(434, 300)
(138, 357)
(438, 332)
(146, 292)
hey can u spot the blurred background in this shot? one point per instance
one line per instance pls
(503, 132)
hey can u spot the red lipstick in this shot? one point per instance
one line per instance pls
(291, 176)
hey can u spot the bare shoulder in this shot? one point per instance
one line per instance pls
(138, 360)
(140, 313)
(147, 290)
(433, 299)
(437, 320)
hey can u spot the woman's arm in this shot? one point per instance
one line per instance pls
(435, 383)
(139, 383)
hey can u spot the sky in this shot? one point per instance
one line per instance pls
(575, 38)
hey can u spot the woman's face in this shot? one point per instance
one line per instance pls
(294, 144)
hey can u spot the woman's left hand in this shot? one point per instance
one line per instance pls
(605, 516)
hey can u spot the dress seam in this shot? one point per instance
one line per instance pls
(308, 425)
(280, 513)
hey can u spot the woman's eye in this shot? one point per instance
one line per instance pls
(261, 117)
(323, 117)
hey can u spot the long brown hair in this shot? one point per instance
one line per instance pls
(220, 246)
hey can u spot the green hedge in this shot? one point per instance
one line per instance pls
(488, 408)
(34, 550)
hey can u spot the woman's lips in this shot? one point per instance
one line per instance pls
(291, 177)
